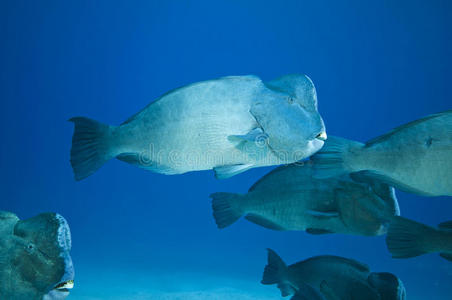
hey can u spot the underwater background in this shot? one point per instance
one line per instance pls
(141, 235)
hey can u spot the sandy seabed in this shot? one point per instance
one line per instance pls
(126, 285)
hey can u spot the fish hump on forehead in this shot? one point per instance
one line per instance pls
(48, 231)
(298, 86)
(7, 222)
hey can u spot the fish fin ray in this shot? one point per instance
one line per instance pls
(223, 172)
(91, 147)
(251, 136)
(406, 238)
(332, 159)
(276, 272)
(318, 231)
(323, 214)
(225, 211)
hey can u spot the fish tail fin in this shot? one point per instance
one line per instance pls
(276, 272)
(334, 158)
(225, 209)
(407, 238)
(91, 146)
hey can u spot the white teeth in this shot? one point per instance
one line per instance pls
(65, 285)
(322, 136)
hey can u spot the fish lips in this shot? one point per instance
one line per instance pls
(62, 289)
(60, 292)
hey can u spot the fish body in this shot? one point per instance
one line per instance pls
(416, 157)
(34, 257)
(229, 124)
(290, 198)
(335, 277)
(407, 238)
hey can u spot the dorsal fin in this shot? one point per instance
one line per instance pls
(386, 136)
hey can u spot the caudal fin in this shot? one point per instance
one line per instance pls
(276, 272)
(407, 238)
(334, 158)
(225, 209)
(90, 146)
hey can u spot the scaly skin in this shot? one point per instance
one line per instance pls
(190, 128)
(419, 156)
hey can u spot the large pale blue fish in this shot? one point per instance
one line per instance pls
(229, 124)
(416, 157)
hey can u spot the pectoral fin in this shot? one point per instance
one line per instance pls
(326, 214)
(327, 217)
(255, 135)
(317, 231)
(223, 172)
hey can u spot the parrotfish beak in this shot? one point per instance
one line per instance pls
(322, 136)
(60, 291)
(66, 285)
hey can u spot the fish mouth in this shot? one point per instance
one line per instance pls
(64, 286)
(322, 136)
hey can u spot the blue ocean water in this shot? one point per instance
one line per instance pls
(141, 235)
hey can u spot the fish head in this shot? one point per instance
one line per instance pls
(288, 116)
(379, 199)
(365, 210)
(38, 255)
(388, 285)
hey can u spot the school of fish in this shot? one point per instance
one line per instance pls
(325, 185)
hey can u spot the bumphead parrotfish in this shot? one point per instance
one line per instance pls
(34, 257)
(290, 198)
(229, 124)
(407, 238)
(336, 278)
(416, 157)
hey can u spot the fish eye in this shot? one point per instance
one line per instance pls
(290, 100)
(30, 247)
